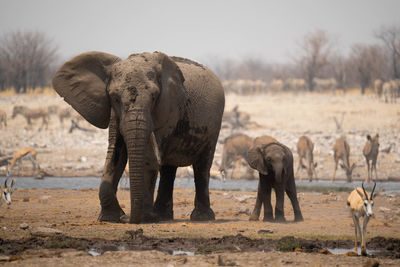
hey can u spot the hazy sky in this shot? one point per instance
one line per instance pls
(202, 30)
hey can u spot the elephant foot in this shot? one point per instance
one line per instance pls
(111, 216)
(202, 215)
(147, 218)
(280, 219)
(268, 219)
(298, 218)
(163, 214)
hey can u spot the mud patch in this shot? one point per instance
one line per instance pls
(382, 247)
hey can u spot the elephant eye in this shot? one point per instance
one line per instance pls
(269, 159)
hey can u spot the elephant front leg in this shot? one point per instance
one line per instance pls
(202, 210)
(163, 208)
(280, 198)
(268, 216)
(115, 164)
(292, 194)
(260, 199)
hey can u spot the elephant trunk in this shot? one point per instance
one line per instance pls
(137, 135)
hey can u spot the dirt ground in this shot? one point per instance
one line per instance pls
(49, 227)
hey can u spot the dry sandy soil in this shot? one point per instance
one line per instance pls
(49, 227)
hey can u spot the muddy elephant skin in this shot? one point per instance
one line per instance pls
(274, 162)
(162, 113)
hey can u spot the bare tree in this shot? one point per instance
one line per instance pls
(26, 60)
(368, 62)
(313, 55)
(390, 36)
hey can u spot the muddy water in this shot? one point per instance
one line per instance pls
(242, 185)
(382, 247)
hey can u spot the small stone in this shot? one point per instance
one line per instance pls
(26, 199)
(298, 250)
(24, 226)
(324, 251)
(371, 263)
(184, 224)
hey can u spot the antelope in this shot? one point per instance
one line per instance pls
(370, 151)
(6, 192)
(30, 114)
(305, 149)
(341, 151)
(3, 118)
(25, 153)
(360, 204)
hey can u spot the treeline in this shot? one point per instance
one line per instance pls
(27, 60)
(319, 64)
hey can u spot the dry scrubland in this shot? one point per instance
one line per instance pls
(49, 227)
(284, 116)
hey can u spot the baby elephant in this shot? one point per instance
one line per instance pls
(274, 162)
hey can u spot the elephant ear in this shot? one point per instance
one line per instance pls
(82, 82)
(255, 158)
(172, 91)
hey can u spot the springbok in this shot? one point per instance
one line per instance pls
(341, 151)
(370, 151)
(6, 192)
(25, 153)
(360, 204)
(305, 148)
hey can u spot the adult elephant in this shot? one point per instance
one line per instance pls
(274, 162)
(162, 112)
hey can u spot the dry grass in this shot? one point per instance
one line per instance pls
(36, 91)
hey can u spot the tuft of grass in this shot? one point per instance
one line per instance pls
(209, 249)
(322, 189)
(66, 243)
(287, 244)
(30, 91)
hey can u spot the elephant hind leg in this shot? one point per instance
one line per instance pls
(292, 194)
(202, 210)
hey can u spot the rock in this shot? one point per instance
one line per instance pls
(371, 263)
(225, 262)
(26, 199)
(45, 231)
(324, 251)
(24, 226)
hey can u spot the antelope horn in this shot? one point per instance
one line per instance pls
(365, 193)
(373, 189)
(5, 183)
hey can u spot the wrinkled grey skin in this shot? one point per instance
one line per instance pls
(274, 162)
(162, 113)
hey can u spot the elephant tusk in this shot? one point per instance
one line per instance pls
(155, 148)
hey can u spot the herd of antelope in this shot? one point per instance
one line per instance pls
(43, 113)
(341, 152)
